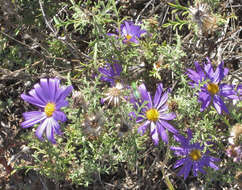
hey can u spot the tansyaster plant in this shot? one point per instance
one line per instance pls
(154, 113)
(193, 156)
(50, 97)
(130, 32)
(213, 90)
(111, 73)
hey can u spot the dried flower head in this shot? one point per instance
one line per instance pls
(124, 128)
(93, 124)
(160, 63)
(205, 21)
(235, 133)
(79, 100)
(173, 105)
(114, 95)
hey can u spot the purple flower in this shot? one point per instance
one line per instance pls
(193, 156)
(111, 73)
(212, 90)
(49, 97)
(196, 76)
(154, 114)
(130, 32)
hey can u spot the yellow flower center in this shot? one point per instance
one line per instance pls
(128, 37)
(195, 154)
(213, 88)
(49, 109)
(152, 115)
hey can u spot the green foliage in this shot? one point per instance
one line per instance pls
(213, 3)
(178, 23)
(171, 56)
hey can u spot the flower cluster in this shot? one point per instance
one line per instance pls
(152, 114)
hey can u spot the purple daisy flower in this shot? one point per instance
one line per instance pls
(49, 97)
(154, 114)
(130, 32)
(111, 73)
(193, 156)
(196, 76)
(212, 91)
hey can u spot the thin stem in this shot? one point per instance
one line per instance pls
(167, 180)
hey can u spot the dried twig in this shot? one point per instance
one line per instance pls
(146, 6)
(30, 48)
(46, 21)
